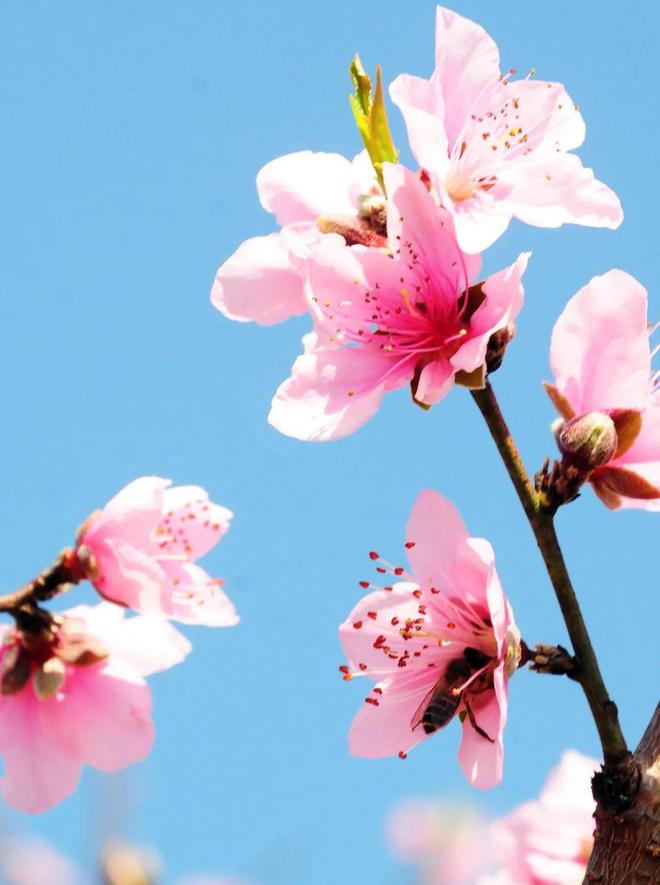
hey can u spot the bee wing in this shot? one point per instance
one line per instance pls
(419, 712)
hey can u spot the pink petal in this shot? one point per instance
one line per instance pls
(600, 351)
(435, 381)
(305, 185)
(466, 59)
(260, 282)
(422, 105)
(129, 577)
(551, 190)
(192, 524)
(146, 644)
(37, 772)
(361, 630)
(482, 761)
(132, 514)
(331, 393)
(504, 298)
(384, 730)
(480, 221)
(196, 598)
(413, 217)
(103, 718)
(443, 556)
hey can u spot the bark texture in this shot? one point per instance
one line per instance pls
(627, 840)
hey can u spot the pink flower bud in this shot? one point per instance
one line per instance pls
(588, 441)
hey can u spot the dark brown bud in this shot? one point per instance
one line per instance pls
(588, 441)
(497, 345)
(16, 669)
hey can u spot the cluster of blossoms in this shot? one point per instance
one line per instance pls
(543, 842)
(385, 261)
(72, 684)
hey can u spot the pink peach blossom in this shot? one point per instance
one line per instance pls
(548, 841)
(388, 318)
(262, 280)
(496, 148)
(447, 627)
(601, 359)
(448, 844)
(141, 549)
(74, 693)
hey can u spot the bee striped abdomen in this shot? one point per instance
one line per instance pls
(440, 710)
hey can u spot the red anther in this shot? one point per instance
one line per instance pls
(394, 621)
(398, 570)
(402, 662)
(373, 701)
(372, 615)
(409, 545)
(374, 555)
(344, 669)
(402, 755)
(417, 594)
(378, 690)
(451, 626)
(379, 641)
(357, 624)
(381, 570)
(389, 588)
(364, 584)
(362, 667)
(433, 590)
(422, 609)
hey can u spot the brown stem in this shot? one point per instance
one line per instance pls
(627, 842)
(603, 709)
(66, 569)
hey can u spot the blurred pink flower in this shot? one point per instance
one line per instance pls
(601, 358)
(497, 149)
(73, 693)
(548, 841)
(31, 861)
(140, 552)
(439, 643)
(262, 281)
(384, 319)
(447, 844)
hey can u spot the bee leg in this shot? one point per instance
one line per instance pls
(473, 723)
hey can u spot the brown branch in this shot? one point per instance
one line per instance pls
(603, 709)
(627, 841)
(65, 570)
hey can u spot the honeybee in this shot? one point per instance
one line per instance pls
(441, 703)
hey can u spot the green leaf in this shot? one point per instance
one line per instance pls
(371, 118)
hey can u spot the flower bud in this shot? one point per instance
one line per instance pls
(355, 230)
(16, 669)
(588, 441)
(49, 678)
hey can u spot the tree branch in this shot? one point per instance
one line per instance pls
(603, 709)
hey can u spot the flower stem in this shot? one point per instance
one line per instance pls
(53, 580)
(603, 709)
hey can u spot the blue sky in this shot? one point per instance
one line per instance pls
(132, 136)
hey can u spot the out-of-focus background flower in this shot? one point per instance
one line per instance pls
(132, 136)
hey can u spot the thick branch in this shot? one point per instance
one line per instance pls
(627, 843)
(602, 708)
